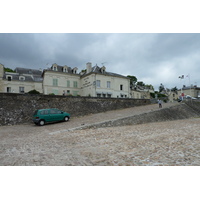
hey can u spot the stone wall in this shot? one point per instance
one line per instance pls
(181, 111)
(19, 108)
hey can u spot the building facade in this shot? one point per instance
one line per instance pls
(192, 90)
(63, 80)
(21, 81)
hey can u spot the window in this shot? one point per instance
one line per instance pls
(98, 83)
(9, 78)
(121, 87)
(108, 84)
(68, 92)
(54, 68)
(55, 82)
(74, 70)
(64, 69)
(44, 112)
(68, 83)
(21, 89)
(98, 95)
(109, 95)
(75, 84)
(22, 78)
(8, 89)
(53, 111)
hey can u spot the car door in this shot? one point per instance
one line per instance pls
(52, 115)
(59, 115)
(46, 115)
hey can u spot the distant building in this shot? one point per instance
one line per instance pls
(21, 81)
(141, 92)
(192, 90)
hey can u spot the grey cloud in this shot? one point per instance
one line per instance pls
(156, 58)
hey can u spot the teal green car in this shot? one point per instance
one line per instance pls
(43, 116)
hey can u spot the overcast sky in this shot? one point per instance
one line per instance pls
(152, 58)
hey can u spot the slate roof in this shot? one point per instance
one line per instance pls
(192, 87)
(60, 69)
(28, 71)
(30, 75)
(97, 70)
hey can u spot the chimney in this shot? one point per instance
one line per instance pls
(89, 67)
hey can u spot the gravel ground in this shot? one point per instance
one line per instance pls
(171, 143)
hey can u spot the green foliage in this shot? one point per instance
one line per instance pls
(140, 83)
(152, 95)
(161, 87)
(174, 89)
(161, 95)
(6, 69)
(149, 86)
(34, 92)
(133, 79)
(51, 94)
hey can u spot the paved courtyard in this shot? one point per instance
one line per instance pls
(171, 143)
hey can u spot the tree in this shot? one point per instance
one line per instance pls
(174, 89)
(34, 92)
(149, 87)
(133, 79)
(6, 69)
(140, 83)
(161, 87)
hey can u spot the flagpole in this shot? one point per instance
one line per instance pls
(181, 77)
(190, 86)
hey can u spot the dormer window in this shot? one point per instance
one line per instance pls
(54, 67)
(65, 69)
(9, 78)
(75, 70)
(103, 69)
(22, 78)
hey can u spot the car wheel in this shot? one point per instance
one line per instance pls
(66, 119)
(41, 122)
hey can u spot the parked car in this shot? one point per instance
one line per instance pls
(189, 97)
(43, 116)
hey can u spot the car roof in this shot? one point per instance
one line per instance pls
(48, 109)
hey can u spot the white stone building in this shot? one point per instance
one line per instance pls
(63, 80)
(97, 82)
(21, 81)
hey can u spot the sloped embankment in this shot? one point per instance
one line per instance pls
(181, 111)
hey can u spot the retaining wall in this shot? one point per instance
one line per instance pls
(182, 111)
(19, 108)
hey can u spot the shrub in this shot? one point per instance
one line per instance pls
(34, 92)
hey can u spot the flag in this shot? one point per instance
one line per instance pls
(181, 77)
